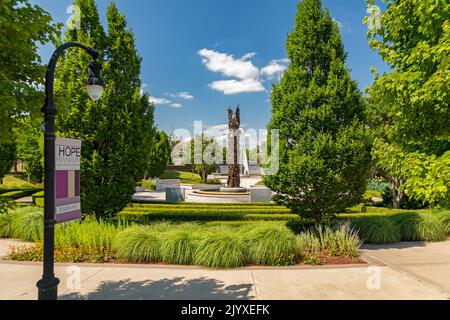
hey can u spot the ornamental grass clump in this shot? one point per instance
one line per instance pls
(444, 216)
(28, 224)
(138, 244)
(271, 244)
(377, 230)
(421, 227)
(342, 241)
(6, 224)
(179, 246)
(91, 238)
(221, 247)
(308, 244)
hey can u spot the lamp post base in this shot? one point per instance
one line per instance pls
(48, 288)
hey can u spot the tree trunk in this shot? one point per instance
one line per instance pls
(205, 176)
(397, 194)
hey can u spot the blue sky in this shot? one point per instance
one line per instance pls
(201, 56)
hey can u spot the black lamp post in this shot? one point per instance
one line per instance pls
(48, 285)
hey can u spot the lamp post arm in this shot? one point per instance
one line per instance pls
(49, 107)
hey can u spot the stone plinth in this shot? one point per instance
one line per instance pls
(260, 194)
(175, 194)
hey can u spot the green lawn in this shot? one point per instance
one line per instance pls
(185, 177)
(17, 182)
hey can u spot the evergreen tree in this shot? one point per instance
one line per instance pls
(319, 112)
(160, 155)
(116, 130)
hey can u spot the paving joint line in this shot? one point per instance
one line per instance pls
(254, 285)
(415, 277)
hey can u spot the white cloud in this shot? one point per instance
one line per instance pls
(248, 56)
(273, 68)
(185, 96)
(246, 77)
(228, 65)
(176, 105)
(217, 130)
(230, 87)
(158, 101)
(342, 26)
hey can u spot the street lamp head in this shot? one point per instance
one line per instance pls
(95, 84)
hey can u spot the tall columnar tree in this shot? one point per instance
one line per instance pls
(409, 107)
(116, 130)
(319, 112)
(160, 155)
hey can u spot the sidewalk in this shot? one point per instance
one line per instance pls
(401, 278)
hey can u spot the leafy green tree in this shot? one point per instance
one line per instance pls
(30, 146)
(23, 27)
(319, 112)
(7, 158)
(116, 130)
(409, 107)
(160, 155)
(205, 158)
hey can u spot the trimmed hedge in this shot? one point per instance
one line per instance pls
(38, 198)
(19, 193)
(139, 203)
(206, 212)
(144, 217)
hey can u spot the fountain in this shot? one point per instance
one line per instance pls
(233, 190)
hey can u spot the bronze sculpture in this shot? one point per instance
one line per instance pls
(234, 180)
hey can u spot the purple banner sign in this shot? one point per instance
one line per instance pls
(67, 179)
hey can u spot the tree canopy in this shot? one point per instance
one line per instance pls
(409, 107)
(23, 27)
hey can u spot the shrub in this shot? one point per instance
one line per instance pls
(377, 230)
(221, 248)
(148, 185)
(421, 227)
(377, 186)
(299, 225)
(138, 244)
(272, 244)
(340, 241)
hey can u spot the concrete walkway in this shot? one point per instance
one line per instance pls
(406, 271)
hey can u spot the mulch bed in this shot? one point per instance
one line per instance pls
(329, 260)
